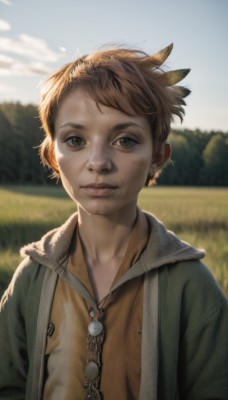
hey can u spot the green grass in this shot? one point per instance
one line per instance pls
(197, 215)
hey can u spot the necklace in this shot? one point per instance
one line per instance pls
(95, 339)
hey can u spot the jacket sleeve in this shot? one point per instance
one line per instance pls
(203, 356)
(14, 357)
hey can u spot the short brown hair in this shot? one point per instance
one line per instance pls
(108, 76)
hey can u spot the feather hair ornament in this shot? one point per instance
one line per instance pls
(172, 77)
(160, 57)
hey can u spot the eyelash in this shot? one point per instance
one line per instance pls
(130, 142)
(75, 141)
(70, 139)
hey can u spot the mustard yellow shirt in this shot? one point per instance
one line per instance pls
(66, 351)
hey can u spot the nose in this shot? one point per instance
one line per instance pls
(99, 160)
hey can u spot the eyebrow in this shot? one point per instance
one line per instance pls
(72, 125)
(116, 127)
(125, 125)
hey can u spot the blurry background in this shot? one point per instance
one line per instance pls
(38, 36)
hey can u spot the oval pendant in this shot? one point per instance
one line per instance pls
(91, 370)
(95, 328)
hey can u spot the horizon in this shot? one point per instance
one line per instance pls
(36, 39)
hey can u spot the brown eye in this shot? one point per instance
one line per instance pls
(75, 141)
(126, 142)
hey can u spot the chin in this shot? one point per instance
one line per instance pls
(118, 212)
(98, 211)
(100, 208)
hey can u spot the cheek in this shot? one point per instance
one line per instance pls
(140, 167)
(66, 173)
(63, 160)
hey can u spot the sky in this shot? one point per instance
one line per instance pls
(39, 36)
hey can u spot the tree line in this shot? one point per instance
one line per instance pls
(198, 158)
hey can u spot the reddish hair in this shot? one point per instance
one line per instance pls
(109, 76)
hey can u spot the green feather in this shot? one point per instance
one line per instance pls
(176, 75)
(182, 91)
(181, 101)
(162, 55)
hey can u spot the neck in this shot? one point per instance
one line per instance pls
(105, 238)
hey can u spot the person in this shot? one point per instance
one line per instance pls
(112, 305)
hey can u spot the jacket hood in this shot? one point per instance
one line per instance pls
(163, 247)
(52, 249)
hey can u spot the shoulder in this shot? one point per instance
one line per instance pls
(53, 247)
(193, 297)
(26, 280)
(192, 276)
(192, 281)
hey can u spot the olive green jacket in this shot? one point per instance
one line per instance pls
(184, 351)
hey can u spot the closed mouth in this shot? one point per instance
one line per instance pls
(99, 186)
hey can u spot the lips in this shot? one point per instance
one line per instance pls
(101, 189)
(102, 185)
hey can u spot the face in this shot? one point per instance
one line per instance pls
(103, 155)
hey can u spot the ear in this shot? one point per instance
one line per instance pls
(160, 158)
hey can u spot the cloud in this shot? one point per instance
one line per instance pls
(12, 67)
(26, 55)
(6, 2)
(29, 46)
(5, 62)
(38, 68)
(4, 25)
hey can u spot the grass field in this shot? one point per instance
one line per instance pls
(197, 215)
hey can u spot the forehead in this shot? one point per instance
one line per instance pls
(80, 108)
(80, 101)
